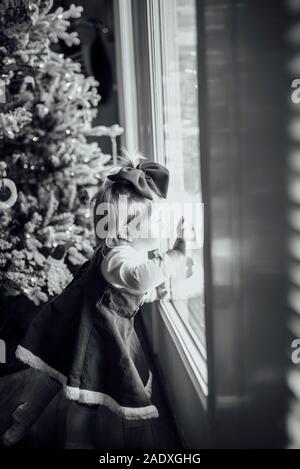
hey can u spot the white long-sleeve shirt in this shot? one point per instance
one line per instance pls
(127, 268)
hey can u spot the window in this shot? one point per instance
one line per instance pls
(182, 152)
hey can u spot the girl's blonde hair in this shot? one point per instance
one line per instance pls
(125, 209)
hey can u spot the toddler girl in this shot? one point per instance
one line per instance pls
(84, 339)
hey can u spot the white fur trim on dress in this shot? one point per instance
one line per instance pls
(27, 357)
(91, 397)
(86, 396)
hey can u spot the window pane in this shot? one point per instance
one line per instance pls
(182, 153)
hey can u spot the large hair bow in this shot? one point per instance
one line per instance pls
(146, 176)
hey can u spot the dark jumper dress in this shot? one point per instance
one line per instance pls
(85, 338)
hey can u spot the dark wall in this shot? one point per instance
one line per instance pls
(242, 113)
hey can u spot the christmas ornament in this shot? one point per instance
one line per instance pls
(8, 190)
(42, 110)
(83, 196)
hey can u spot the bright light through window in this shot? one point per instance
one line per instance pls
(182, 152)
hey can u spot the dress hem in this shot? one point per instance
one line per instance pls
(86, 396)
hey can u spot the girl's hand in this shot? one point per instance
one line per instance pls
(180, 228)
(180, 243)
(161, 291)
(186, 230)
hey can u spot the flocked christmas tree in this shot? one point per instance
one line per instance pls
(48, 167)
